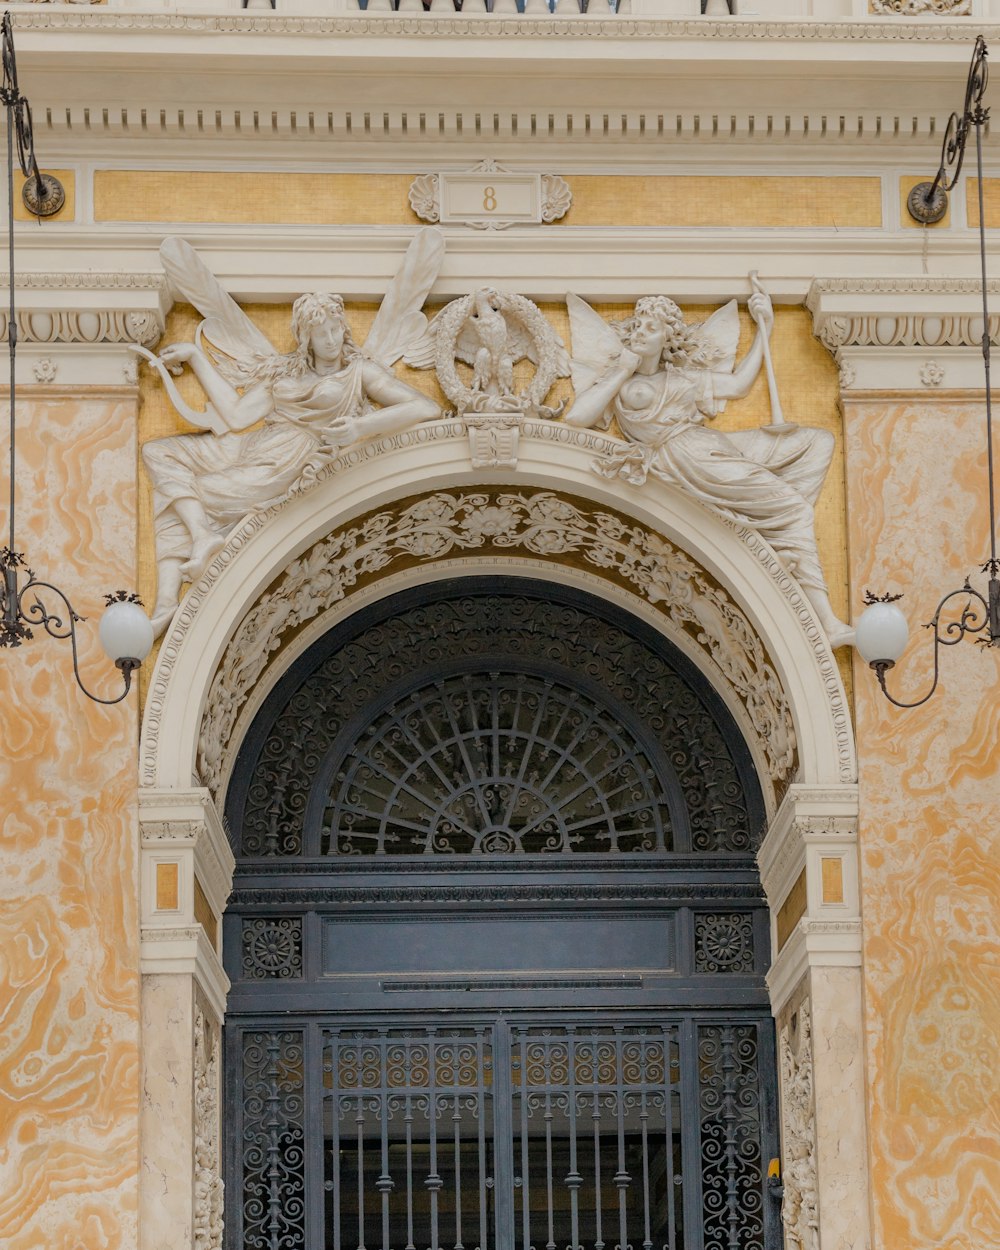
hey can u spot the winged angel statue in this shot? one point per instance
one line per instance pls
(660, 378)
(273, 421)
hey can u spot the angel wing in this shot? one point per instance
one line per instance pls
(400, 328)
(236, 343)
(721, 335)
(594, 343)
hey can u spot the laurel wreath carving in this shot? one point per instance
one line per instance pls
(516, 309)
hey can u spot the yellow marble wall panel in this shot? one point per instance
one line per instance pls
(929, 840)
(69, 983)
(68, 211)
(791, 910)
(724, 201)
(238, 197)
(991, 201)
(235, 197)
(807, 383)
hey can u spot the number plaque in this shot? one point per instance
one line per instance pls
(490, 197)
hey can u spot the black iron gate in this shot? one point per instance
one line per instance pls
(497, 942)
(505, 1133)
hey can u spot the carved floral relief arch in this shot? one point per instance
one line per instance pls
(412, 502)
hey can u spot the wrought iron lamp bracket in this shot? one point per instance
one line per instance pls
(43, 195)
(17, 617)
(985, 615)
(927, 202)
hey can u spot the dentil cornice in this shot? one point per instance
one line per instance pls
(577, 27)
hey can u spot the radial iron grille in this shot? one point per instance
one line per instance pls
(496, 763)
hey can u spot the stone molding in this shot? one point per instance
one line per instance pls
(109, 281)
(208, 1187)
(181, 833)
(815, 830)
(540, 522)
(898, 334)
(706, 29)
(76, 327)
(434, 453)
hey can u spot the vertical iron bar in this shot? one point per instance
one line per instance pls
(691, 1137)
(503, 1136)
(574, 1180)
(596, 1114)
(433, 1181)
(647, 1241)
(333, 1040)
(525, 1145)
(457, 1118)
(547, 1071)
(314, 1140)
(11, 326)
(384, 1183)
(359, 1119)
(622, 1177)
(668, 1117)
(408, 1121)
(272, 1124)
(978, 119)
(481, 1113)
(730, 1068)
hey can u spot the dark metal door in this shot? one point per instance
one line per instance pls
(497, 942)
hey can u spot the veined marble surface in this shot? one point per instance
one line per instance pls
(69, 981)
(929, 841)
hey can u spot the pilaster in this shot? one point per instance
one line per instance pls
(185, 878)
(809, 869)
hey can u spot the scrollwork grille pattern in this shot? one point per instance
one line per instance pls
(508, 638)
(597, 1135)
(732, 1181)
(273, 1144)
(507, 1134)
(408, 1159)
(491, 763)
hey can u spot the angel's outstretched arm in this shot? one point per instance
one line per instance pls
(236, 411)
(402, 406)
(590, 405)
(736, 384)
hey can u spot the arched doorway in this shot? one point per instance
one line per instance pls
(497, 939)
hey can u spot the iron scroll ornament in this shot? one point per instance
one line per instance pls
(42, 194)
(303, 755)
(925, 205)
(985, 615)
(928, 201)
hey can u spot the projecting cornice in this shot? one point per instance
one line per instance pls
(920, 334)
